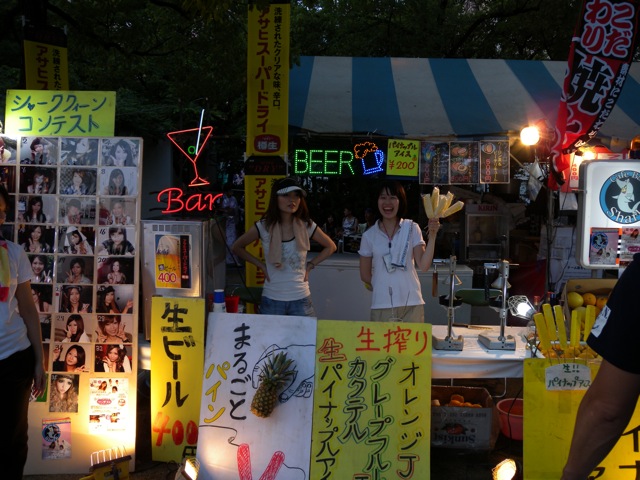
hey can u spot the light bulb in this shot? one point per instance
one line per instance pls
(505, 470)
(530, 135)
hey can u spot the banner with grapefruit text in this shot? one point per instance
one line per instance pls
(599, 58)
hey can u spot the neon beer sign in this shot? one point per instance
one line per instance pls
(178, 200)
(338, 162)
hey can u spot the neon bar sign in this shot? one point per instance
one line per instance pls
(178, 200)
(338, 162)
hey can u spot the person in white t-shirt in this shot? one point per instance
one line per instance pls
(285, 232)
(21, 354)
(389, 252)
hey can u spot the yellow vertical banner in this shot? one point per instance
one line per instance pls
(372, 401)
(46, 66)
(177, 359)
(402, 157)
(268, 79)
(257, 191)
(553, 390)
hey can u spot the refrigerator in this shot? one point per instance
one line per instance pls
(181, 258)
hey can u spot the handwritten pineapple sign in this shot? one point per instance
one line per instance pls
(550, 415)
(246, 430)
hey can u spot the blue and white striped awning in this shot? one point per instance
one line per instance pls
(420, 97)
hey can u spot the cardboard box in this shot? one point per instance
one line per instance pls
(464, 427)
(597, 286)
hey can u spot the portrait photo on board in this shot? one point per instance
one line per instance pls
(75, 298)
(115, 270)
(73, 328)
(120, 152)
(75, 211)
(74, 269)
(77, 181)
(80, 151)
(8, 149)
(39, 150)
(117, 211)
(37, 209)
(38, 180)
(37, 238)
(118, 181)
(76, 240)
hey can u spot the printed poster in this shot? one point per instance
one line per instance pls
(494, 162)
(108, 404)
(173, 261)
(372, 402)
(233, 443)
(464, 162)
(603, 246)
(434, 163)
(629, 244)
(56, 438)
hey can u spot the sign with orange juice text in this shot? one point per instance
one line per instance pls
(372, 402)
(177, 333)
(63, 113)
(247, 428)
(550, 409)
(402, 157)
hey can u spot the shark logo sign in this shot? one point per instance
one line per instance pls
(618, 197)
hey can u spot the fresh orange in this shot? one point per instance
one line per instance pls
(601, 301)
(589, 298)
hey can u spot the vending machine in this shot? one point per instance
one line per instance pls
(181, 258)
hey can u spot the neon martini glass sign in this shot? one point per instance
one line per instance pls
(178, 200)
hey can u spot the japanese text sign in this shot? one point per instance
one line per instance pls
(551, 405)
(46, 66)
(372, 403)
(235, 444)
(257, 192)
(402, 157)
(60, 113)
(177, 334)
(268, 79)
(434, 163)
(600, 54)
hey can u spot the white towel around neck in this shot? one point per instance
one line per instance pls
(400, 249)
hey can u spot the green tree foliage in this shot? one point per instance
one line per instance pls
(520, 29)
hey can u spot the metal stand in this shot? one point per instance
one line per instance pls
(450, 302)
(501, 341)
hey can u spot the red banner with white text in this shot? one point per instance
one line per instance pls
(599, 58)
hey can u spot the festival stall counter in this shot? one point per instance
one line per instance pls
(339, 294)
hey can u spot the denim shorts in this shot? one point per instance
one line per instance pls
(300, 308)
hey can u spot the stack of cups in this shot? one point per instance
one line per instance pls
(218, 301)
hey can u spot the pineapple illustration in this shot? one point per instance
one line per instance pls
(275, 374)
